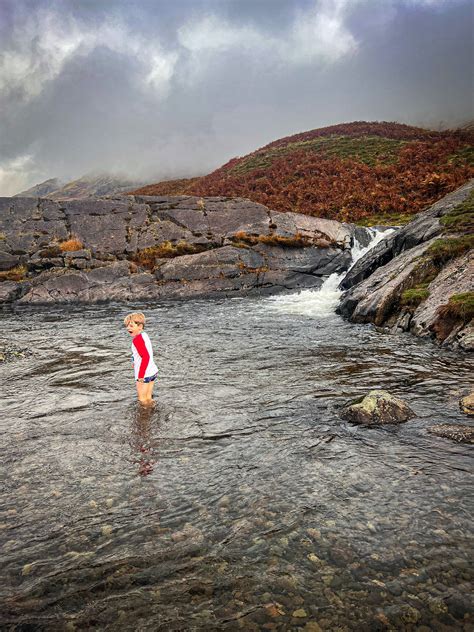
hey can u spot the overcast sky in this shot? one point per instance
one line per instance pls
(159, 89)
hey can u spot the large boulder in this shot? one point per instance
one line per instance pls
(377, 408)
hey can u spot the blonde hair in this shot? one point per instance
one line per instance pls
(136, 317)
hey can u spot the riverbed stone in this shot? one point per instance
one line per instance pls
(466, 404)
(377, 408)
(456, 432)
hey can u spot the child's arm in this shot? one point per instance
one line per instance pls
(140, 346)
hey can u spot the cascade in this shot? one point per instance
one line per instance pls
(323, 302)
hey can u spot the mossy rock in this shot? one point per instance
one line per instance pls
(377, 408)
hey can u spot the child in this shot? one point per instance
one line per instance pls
(145, 368)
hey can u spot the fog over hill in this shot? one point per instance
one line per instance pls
(161, 90)
(90, 185)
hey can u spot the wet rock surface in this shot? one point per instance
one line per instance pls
(247, 248)
(377, 408)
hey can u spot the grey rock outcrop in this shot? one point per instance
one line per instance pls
(424, 227)
(237, 246)
(377, 408)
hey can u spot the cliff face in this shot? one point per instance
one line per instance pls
(421, 278)
(137, 247)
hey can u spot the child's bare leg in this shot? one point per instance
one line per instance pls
(142, 392)
(150, 390)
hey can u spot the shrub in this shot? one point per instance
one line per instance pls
(297, 241)
(244, 268)
(459, 306)
(166, 250)
(458, 311)
(443, 250)
(71, 244)
(415, 295)
(17, 273)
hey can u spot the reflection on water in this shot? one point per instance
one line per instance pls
(241, 501)
(143, 451)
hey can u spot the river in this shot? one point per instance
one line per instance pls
(242, 501)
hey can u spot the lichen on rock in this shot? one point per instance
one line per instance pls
(377, 408)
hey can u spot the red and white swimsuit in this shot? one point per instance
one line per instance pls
(143, 357)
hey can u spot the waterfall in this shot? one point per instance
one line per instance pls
(323, 302)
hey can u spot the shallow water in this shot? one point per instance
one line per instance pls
(242, 501)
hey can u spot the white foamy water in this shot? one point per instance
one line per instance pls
(323, 302)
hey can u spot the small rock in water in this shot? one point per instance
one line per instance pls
(106, 530)
(314, 558)
(377, 408)
(456, 432)
(314, 533)
(467, 404)
(300, 613)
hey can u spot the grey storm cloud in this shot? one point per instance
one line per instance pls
(174, 88)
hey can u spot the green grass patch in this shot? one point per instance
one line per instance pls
(391, 219)
(459, 309)
(415, 295)
(443, 250)
(367, 149)
(460, 306)
(461, 218)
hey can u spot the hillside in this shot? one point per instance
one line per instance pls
(90, 185)
(358, 172)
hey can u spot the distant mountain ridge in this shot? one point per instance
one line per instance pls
(90, 185)
(42, 189)
(366, 172)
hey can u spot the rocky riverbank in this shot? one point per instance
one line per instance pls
(138, 247)
(421, 278)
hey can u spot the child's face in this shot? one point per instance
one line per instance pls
(134, 328)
